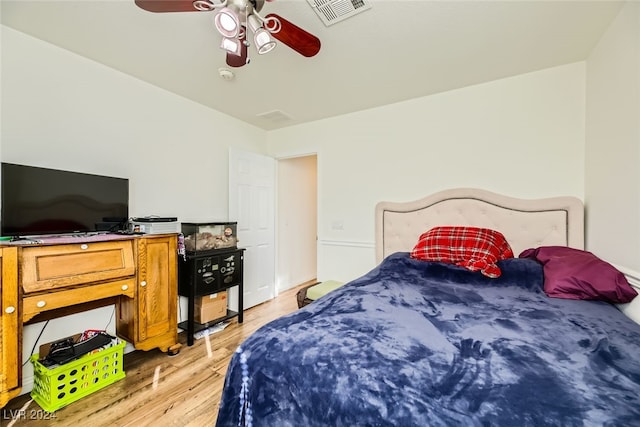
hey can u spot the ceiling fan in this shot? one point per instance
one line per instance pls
(236, 20)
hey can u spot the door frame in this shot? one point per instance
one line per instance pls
(281, 253)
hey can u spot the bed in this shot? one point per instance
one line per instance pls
(430, 343)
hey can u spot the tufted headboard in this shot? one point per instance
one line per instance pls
(525, 223)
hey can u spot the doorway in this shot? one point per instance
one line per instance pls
(297, 221)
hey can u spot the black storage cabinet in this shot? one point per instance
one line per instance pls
(207, 272)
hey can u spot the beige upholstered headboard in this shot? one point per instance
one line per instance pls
(525, 223)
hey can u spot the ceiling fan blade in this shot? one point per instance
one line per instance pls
(166, 5)
(306, 44)
(238, 60)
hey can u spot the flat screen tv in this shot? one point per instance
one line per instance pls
(41, 201)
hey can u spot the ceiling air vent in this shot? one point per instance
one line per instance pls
(332, 11)
(276, 116)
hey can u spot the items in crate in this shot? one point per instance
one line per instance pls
(57, 386)
(71, 348)
(209, 236)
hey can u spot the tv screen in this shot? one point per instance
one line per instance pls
(40, 201)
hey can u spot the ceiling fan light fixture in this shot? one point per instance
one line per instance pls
(204, 5)
(262, 38)
(253, 22)
(264, 42)
(227, 22)
(233, 46)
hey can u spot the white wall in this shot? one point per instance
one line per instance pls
(612, 185)
(522, 136)
(297, 221)
(64, 111)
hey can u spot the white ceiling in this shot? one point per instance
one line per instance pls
(395, 51)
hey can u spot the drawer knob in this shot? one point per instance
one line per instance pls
(143, 283)
(41, 304)
(84, 246)
(125, 287)
(10, 309)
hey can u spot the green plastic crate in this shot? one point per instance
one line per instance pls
(59, 386)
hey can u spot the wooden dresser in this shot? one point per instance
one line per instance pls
(138, 274)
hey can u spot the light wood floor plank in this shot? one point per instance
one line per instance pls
(182, 390)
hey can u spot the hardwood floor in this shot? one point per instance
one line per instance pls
(159, 390)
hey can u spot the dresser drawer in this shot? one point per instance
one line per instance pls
(46, 268)
(36, 304)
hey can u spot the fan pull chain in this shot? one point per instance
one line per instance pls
(246, 30)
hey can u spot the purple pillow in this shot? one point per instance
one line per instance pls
(575, 274)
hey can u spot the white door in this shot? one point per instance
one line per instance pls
(252, 204)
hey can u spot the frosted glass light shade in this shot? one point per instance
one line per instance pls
(227, 22)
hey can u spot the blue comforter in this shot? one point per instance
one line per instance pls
(416, 343)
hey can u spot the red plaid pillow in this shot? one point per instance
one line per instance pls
(470, 247)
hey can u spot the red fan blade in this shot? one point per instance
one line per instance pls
(166, 5)
(306, 44)
(238, 60)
